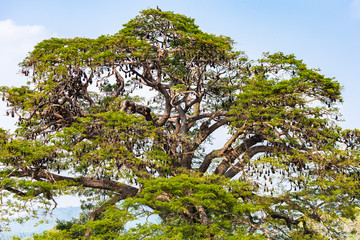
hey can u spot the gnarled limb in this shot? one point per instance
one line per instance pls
(217, 153)
(231, 155)
(289, 221)
(97, 212)
(120, 188)
(244, 159)
(136, 108)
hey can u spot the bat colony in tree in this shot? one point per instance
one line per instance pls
(286, 171)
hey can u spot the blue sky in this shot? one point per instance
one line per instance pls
(324, 33)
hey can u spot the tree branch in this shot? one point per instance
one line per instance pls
(136, 108)
(247, 156)
(235, 153)
(289, 221)
(121, 188)
(97, 212)
(216, 153)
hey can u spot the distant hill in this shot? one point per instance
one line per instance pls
(27, 229)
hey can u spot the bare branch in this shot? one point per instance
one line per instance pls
(241, 163)
(216, 153)
(237, 152)
(121, 188)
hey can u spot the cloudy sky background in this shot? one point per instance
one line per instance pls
(324, 33)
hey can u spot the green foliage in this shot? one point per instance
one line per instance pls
(222, 199)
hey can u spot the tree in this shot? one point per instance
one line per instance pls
(126, 122)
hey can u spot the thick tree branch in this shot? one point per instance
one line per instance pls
(289, 221)
(97, 212)
(120, 188)
(217, 153)
(246, 157)
(183, 120)
(15, 191)
(204, 219)
(120, 81)
(167, 110)
(235, 153)
(136, 108)
(207, 131)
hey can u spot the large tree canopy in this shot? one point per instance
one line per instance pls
(126, 122)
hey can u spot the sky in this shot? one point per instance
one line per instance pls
(324, 33)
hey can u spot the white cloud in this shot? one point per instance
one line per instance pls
(355, 9)
(15, 42)
(10, 31)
